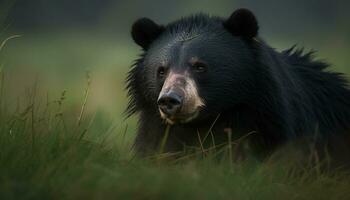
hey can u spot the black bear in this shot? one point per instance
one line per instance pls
(204, 75)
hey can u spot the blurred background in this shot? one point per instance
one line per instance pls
(62, 39)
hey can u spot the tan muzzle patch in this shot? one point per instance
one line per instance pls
(183, 85)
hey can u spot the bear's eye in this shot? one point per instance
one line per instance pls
(161, 71)
(199, 67)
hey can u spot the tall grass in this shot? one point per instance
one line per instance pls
(43, 155)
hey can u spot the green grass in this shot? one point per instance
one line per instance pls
(46, 153)
(64, 139)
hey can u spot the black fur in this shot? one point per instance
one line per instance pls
(249, 87)
(243, 23)
(144, 31)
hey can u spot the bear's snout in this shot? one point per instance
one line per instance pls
(170, 103)
(178, 101)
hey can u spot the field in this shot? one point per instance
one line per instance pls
(63, 135)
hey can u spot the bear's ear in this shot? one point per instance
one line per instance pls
(144, 31)
(243, 23)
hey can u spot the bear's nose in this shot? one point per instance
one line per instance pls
(170, 103)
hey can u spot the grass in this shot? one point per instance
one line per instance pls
(44, 155)
(52, 147)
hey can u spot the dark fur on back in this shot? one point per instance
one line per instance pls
(287, 95)
(328, 92)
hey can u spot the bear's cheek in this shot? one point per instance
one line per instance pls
(151, 88)
(193, 101)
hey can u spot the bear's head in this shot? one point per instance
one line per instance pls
(193, 68)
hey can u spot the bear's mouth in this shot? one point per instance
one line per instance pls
(179, 118)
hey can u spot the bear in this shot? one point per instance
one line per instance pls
(202, 80)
